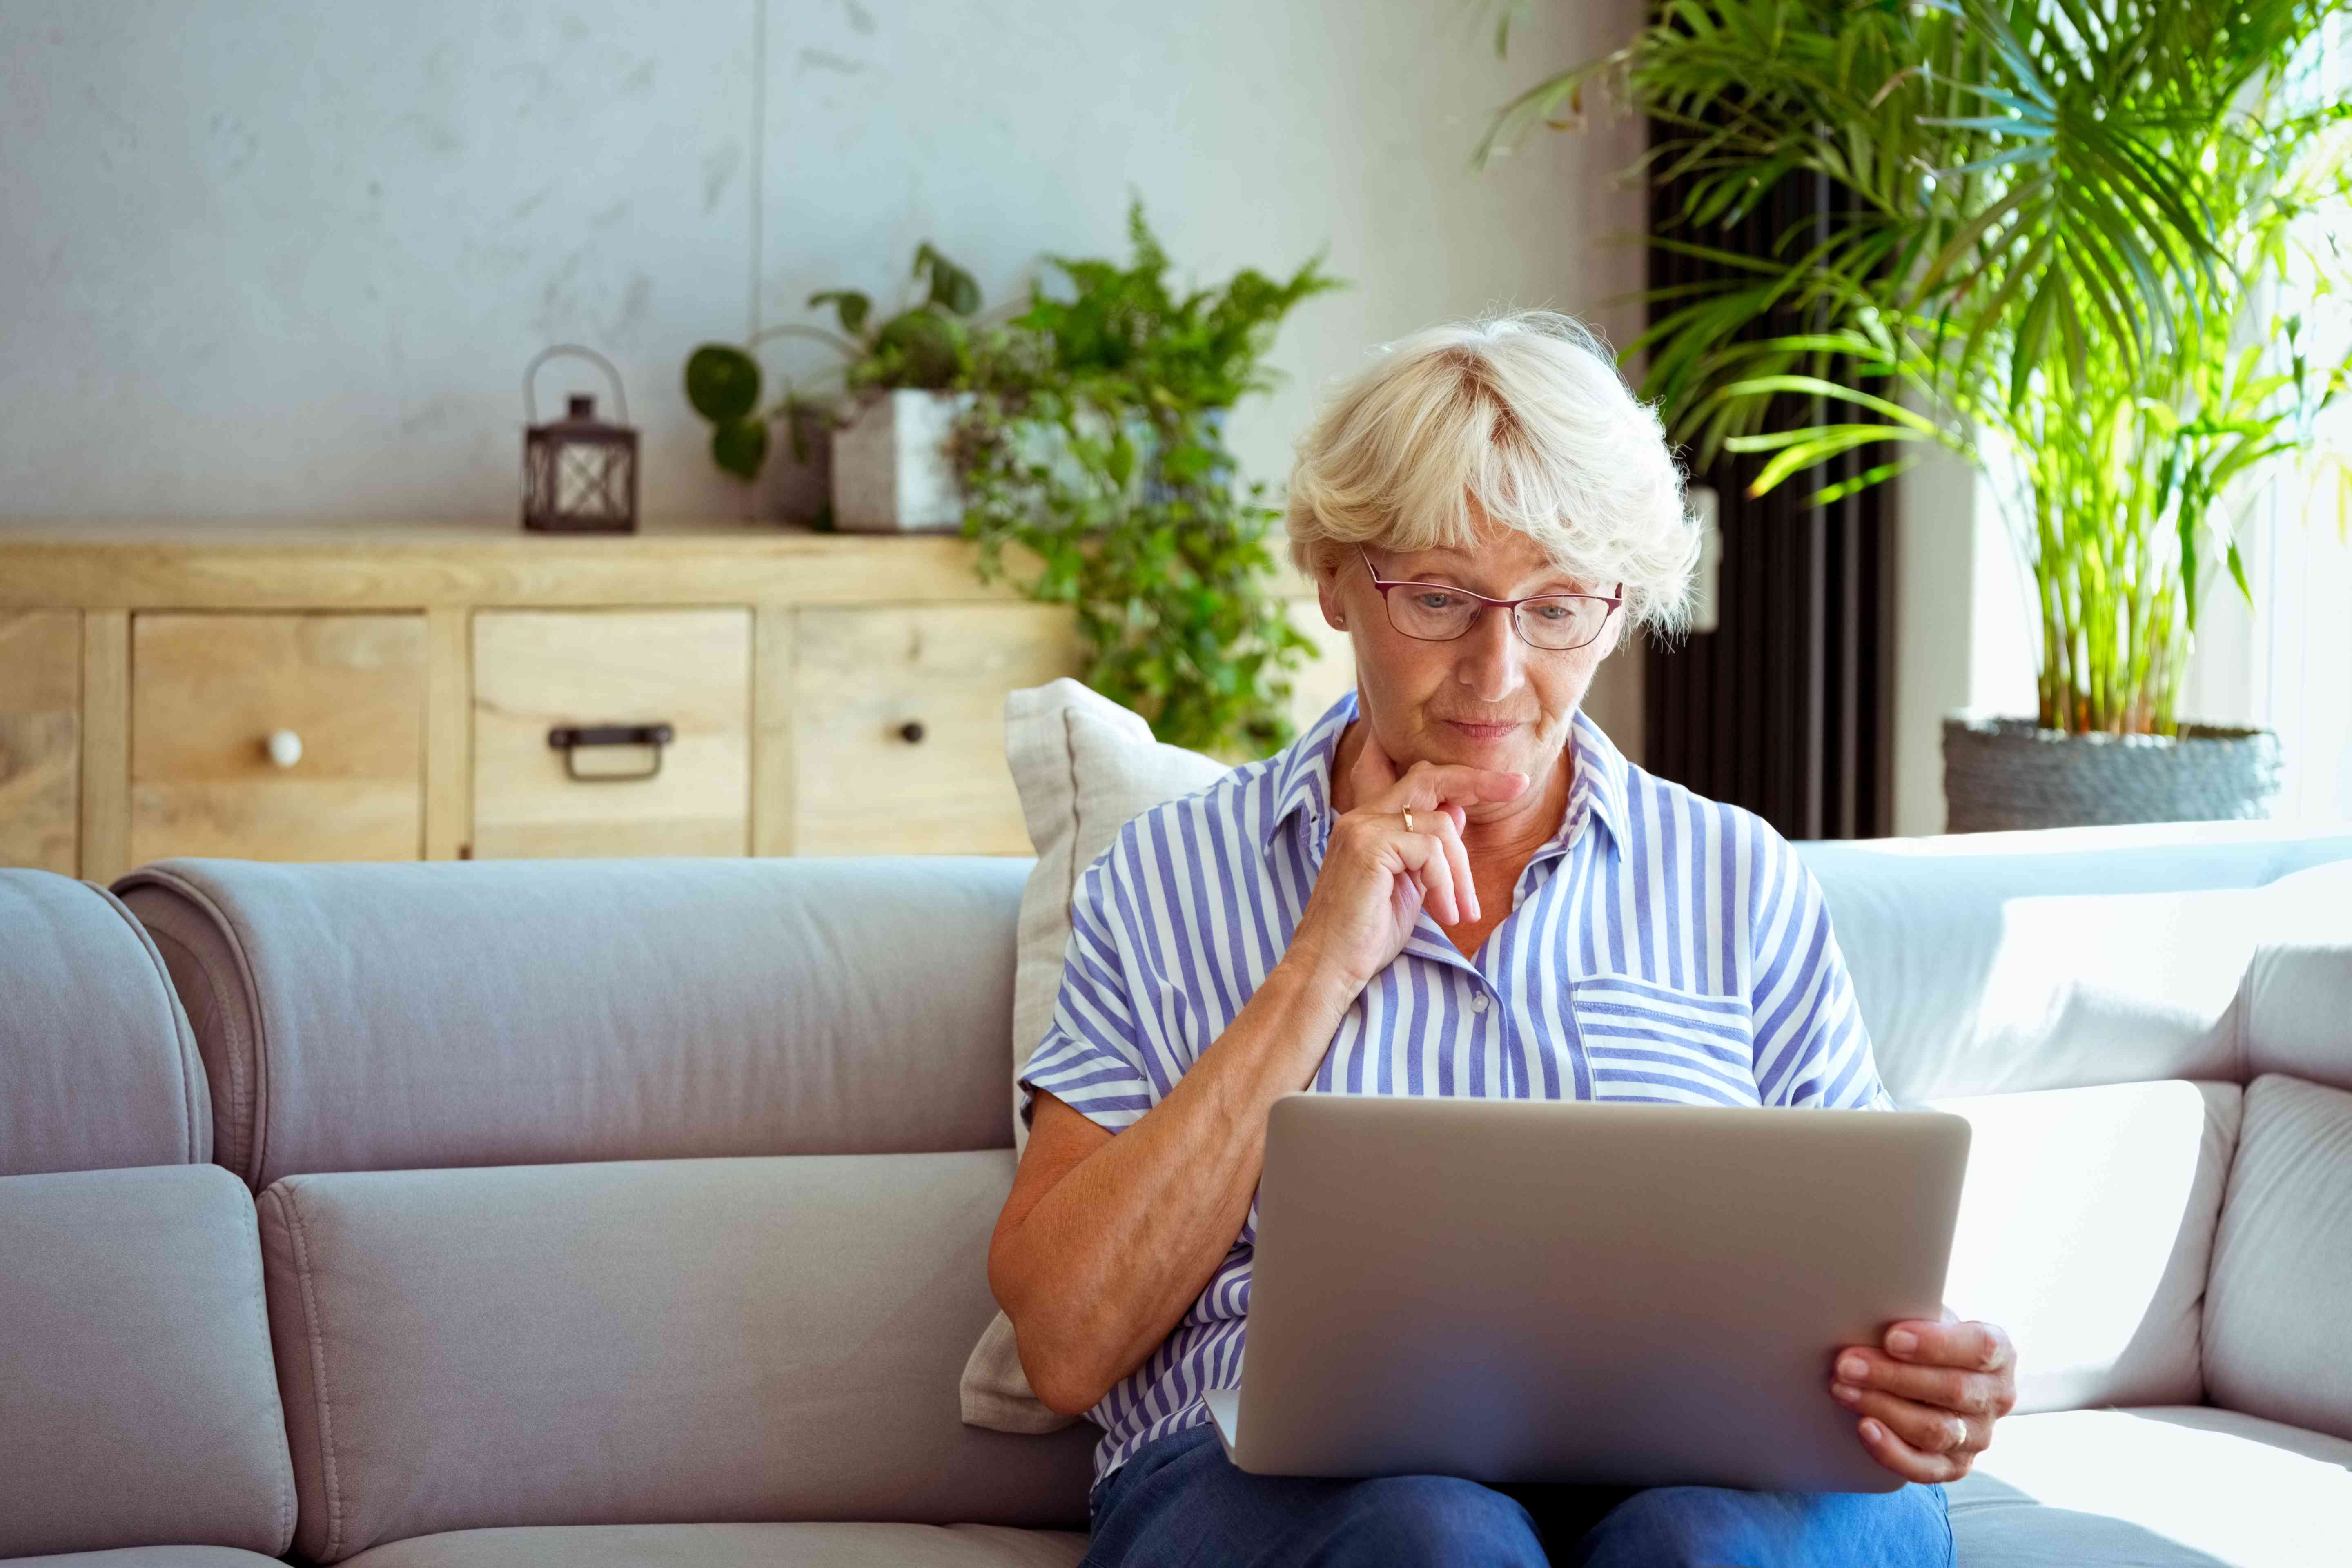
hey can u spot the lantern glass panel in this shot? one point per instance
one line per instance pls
(585, 481)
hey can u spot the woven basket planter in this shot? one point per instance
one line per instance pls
(2011, 772)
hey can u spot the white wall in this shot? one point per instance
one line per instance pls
(268, 257)
(2285, 661)
(273, 257)
(1962, 639)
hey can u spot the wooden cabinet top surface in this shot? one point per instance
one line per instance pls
(364, 563)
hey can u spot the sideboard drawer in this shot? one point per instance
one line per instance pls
(343, 695)
(537, 671)
(898, 724)
(40, 739)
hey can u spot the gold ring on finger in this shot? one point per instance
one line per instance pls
(1408, 822)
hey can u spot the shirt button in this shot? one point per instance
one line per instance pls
(1478, 1003)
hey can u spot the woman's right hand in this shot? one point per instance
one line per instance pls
(1377, 878)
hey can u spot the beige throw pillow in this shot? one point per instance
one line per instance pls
(1084, 766)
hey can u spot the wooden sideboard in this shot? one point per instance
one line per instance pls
(386, 691)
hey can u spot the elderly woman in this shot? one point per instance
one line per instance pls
(1452, 883)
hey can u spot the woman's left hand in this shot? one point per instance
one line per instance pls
(1928, 1394)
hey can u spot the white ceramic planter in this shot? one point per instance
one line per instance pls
(890, 467)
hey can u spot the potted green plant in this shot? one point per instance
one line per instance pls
(2063, 250)
(900, 390)
(1096, 441)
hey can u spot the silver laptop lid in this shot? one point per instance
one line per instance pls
(1627, 1294)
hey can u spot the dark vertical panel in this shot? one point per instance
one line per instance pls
(1783, 709)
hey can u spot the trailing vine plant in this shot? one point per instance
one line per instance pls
(1097, 446)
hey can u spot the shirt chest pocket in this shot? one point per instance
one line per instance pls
(1648, 1041)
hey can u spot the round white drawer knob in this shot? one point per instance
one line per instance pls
(284, 748)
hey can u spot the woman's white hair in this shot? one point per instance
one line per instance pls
(1523, 417)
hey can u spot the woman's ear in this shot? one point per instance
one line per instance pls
(1612, 636)
(1327, 564)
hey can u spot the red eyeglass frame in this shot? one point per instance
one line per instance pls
(1614, 601)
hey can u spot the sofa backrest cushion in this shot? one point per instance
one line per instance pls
(638, 1342)
(2085, 1230)
(138, 1404)
(97, 1068)
(2278, 1316)
(152, 1557)
(359, 1017)
(2298, 1003)
(1995, 963)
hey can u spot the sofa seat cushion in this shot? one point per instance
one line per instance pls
(735, 1546)
(2167, 1487)
(151, 1557)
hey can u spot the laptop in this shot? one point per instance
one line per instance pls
(1632, 1295)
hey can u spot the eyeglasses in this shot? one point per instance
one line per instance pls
(1439, 612)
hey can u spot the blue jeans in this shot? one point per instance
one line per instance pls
(1180, 1500)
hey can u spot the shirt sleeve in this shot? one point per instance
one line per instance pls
(1093, 1057)
(1810, 1046)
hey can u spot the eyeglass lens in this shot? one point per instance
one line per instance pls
(1433, 613)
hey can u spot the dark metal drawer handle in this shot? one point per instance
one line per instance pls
(570, 738)
(911, 731)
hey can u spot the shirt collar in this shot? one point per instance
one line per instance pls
(1303, 770)
(1303, 774)
(1599, 784)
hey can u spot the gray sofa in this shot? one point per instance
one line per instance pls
(497, 1213)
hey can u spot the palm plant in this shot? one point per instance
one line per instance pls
(2057, 250)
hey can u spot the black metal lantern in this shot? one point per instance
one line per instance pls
(578, 474)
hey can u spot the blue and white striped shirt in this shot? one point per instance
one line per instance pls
(1660, 947)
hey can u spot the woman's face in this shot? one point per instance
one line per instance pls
(1487, 699)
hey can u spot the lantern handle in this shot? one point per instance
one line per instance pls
(530, 375)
